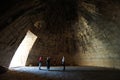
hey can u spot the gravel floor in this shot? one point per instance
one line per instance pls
(56, 73)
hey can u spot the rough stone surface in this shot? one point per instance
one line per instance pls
(85, 32)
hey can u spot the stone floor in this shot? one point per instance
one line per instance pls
(56, 73)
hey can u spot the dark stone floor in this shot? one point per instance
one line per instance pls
(56, 73)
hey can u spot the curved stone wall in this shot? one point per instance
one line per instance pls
(88, 36)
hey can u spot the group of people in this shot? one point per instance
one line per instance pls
(48, 62)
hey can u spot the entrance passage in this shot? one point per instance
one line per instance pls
(21, 55)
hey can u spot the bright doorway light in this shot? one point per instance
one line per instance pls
(21, 55)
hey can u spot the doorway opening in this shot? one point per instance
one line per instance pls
(21, 54)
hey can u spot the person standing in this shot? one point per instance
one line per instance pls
(40, 62)
(63, 63)
(48, 63)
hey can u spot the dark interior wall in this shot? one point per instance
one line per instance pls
(86, 33)
(55, 33)
(11, 37)
(92, 39)
(101, 36)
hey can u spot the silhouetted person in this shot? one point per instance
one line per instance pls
(48, 63)
(40, 62)
(63, 63)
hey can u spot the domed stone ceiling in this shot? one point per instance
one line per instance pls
(86, 32)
